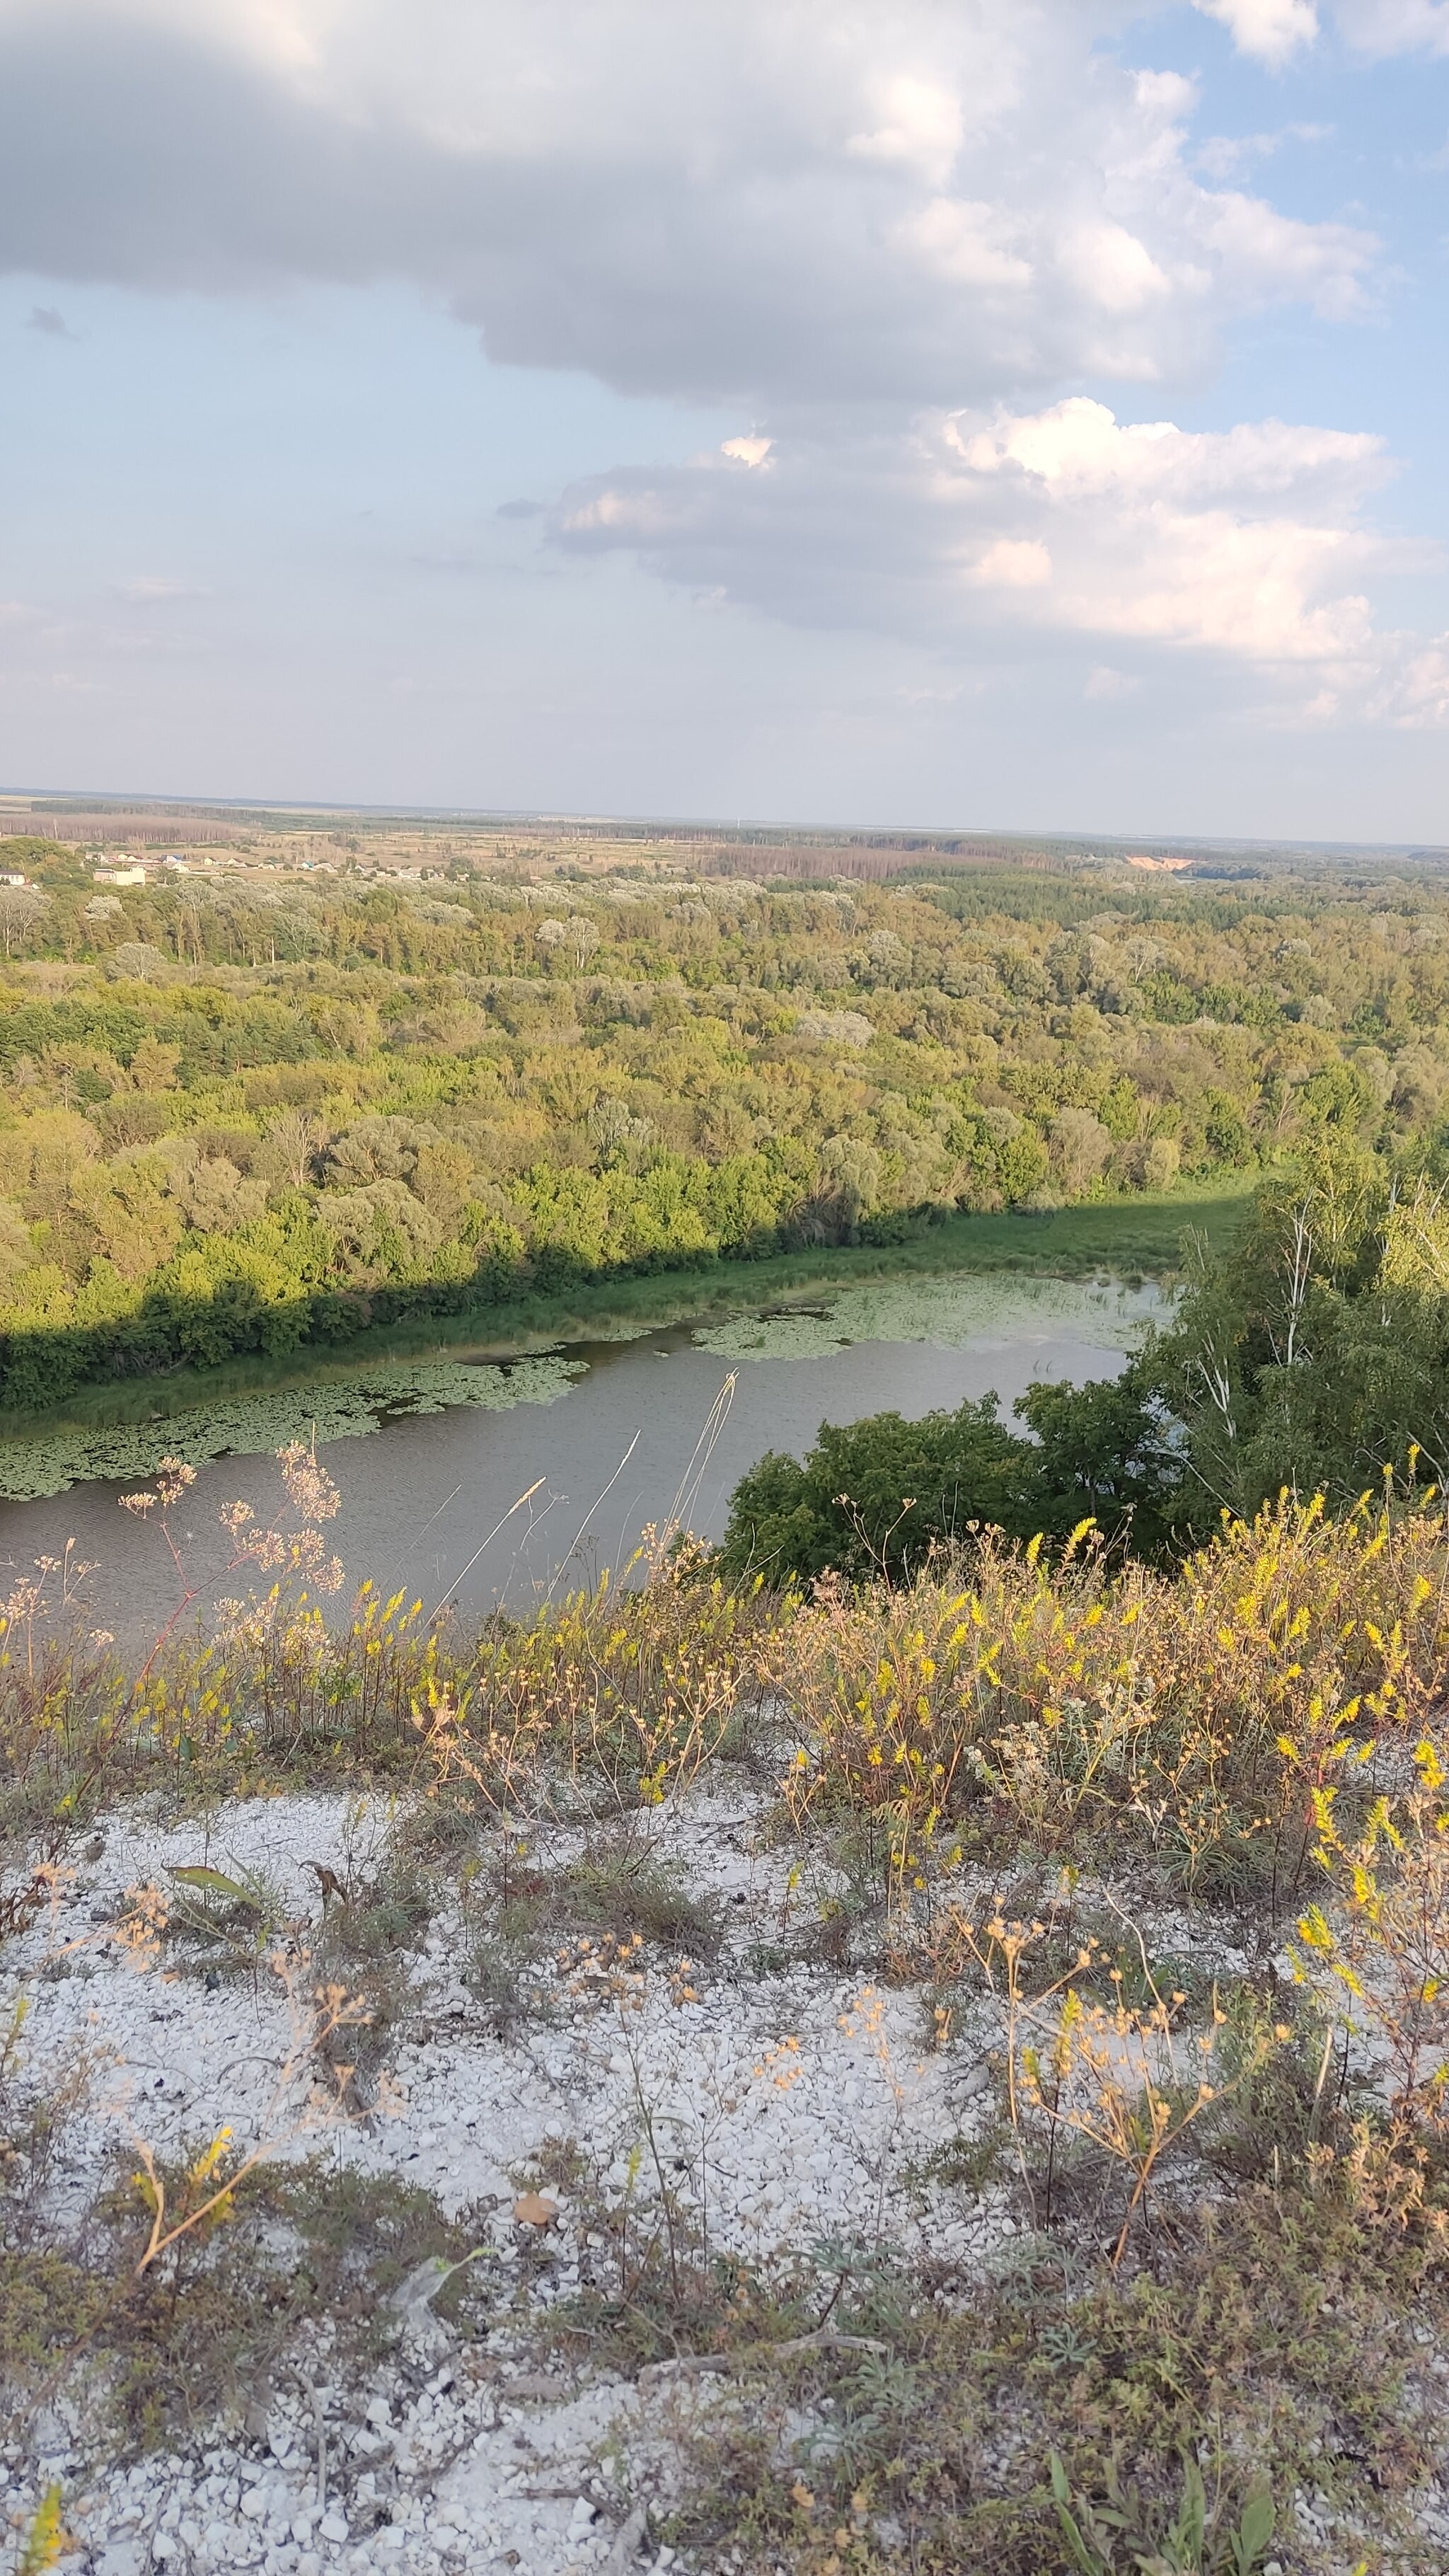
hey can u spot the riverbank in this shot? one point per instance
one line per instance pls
(1131, 1238)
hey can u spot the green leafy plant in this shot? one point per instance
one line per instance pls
(1122, 2536)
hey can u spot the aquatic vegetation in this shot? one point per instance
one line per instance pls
(249, 1426)
(948, 1310)
(351, 1404)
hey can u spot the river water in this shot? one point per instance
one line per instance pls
(432, 1460)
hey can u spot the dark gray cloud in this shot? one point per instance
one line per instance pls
(916, 206)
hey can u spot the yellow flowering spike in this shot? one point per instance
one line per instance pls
(1314, 1931)
(210, 2157)
(45, 2539)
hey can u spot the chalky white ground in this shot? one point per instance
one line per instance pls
(485, 2465)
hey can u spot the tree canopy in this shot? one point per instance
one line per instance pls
(246, 1111)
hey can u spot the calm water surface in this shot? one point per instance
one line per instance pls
(646, 1431)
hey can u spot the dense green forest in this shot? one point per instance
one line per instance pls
(250, 1112)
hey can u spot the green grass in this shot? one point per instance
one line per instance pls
(1132, 1237)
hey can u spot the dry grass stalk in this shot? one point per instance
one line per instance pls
(211, 2181)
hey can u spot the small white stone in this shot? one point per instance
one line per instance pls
(121, 2558)
(333, 2526)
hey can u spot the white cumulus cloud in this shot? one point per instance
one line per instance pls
(1382, 27)
(923, 128)
(895, 242)
(1248, 545)
(1271, 29)
(1014, 563)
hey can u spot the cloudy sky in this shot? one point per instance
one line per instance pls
(1023, 413)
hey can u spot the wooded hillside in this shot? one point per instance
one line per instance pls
(246, 1111)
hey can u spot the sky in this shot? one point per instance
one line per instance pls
(1014, 414)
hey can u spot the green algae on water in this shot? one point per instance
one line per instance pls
(250, 1425)
(946, 1310)
(950, 1310)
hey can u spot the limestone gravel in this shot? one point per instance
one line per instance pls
(803, 2099)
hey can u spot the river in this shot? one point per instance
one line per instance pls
(431, 1460)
